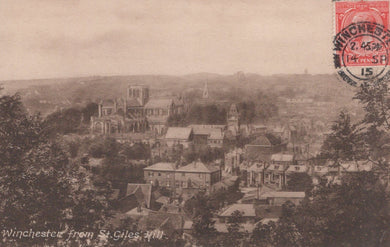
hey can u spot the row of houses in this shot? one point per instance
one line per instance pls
(277, 173)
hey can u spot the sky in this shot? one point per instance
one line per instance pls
(69, 38)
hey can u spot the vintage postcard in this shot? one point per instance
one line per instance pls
(188, 123)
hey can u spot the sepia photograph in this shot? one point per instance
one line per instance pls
(194, 123)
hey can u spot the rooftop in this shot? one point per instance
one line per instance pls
(247, 209)
(143, 192)
(198, 166)
(161, 166)
(266, 140)
(178, 133)
(159, 103)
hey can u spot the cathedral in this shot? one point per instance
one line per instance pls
(137, 112)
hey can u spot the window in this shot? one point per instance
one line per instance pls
(151, 174)
(183, 174)
(159, 174)
(168, 184)
(276, 167)
(297, 168)
(200, 175)
(168, 175)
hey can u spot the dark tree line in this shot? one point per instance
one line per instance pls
(71, 120)
(41, 188)
(262, 108)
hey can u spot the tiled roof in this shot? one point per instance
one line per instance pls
(261, 141)
(167, 222)
(216, 135)
(159, 103)
(133, 103)
(162, 166)
(198, 166)
(266, 140)
(212, 133)
(247, 209)
(267, 211)
(141, 191)
(178, 133)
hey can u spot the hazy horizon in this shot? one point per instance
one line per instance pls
(81, 38)
(173, 75)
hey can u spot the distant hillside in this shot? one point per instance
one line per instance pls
(46, 95)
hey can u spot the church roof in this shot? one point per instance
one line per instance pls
(133, 103)
(159, 103)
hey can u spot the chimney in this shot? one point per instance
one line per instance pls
(139, 209)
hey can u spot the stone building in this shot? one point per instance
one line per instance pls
(137, 112)
(193, 176)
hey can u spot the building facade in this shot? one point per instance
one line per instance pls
(195, 175)
(137, 112)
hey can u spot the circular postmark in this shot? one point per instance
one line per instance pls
(361, 53)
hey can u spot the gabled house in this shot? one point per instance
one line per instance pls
(263, 147)
(211, 135)
(137, 195)
(193, 176)
(197, 175)
(179, 135)
(161, 174)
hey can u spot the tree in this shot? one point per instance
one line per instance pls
(234, 228)
(41, 188)
(346, 142)
(203, 227)
(351, 214)
(300, 182)
(262, 234)
(247, 110)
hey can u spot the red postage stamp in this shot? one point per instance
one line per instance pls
(362, 39)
